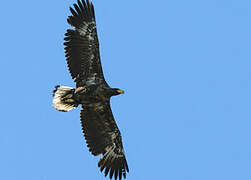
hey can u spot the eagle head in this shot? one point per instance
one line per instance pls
(116, 91)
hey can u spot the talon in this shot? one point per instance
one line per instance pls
(79, 89)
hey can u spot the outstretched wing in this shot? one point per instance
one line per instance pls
(81, 44)
(103, 137)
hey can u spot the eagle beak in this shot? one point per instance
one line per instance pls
(120, 91)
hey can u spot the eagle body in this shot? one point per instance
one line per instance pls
(92, 92)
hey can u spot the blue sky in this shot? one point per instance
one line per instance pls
(184, 66)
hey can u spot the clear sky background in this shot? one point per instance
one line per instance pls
(185, 67)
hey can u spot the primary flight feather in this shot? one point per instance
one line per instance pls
(92, 92)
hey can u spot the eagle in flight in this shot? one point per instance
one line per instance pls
(92, 92)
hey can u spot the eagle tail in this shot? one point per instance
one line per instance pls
(63, 99)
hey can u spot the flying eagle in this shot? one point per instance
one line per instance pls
(92, 92)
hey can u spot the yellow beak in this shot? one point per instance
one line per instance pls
(120, 91)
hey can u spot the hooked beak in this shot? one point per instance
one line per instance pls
(120, 91)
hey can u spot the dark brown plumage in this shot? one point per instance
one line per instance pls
(82, 46)
(92, 92)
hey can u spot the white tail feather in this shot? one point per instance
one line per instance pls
(62, 98)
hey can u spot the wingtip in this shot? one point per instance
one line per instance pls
(117, 168)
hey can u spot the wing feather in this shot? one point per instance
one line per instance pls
(103, 137)
(81, 44)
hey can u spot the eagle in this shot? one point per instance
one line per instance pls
(92, 92)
